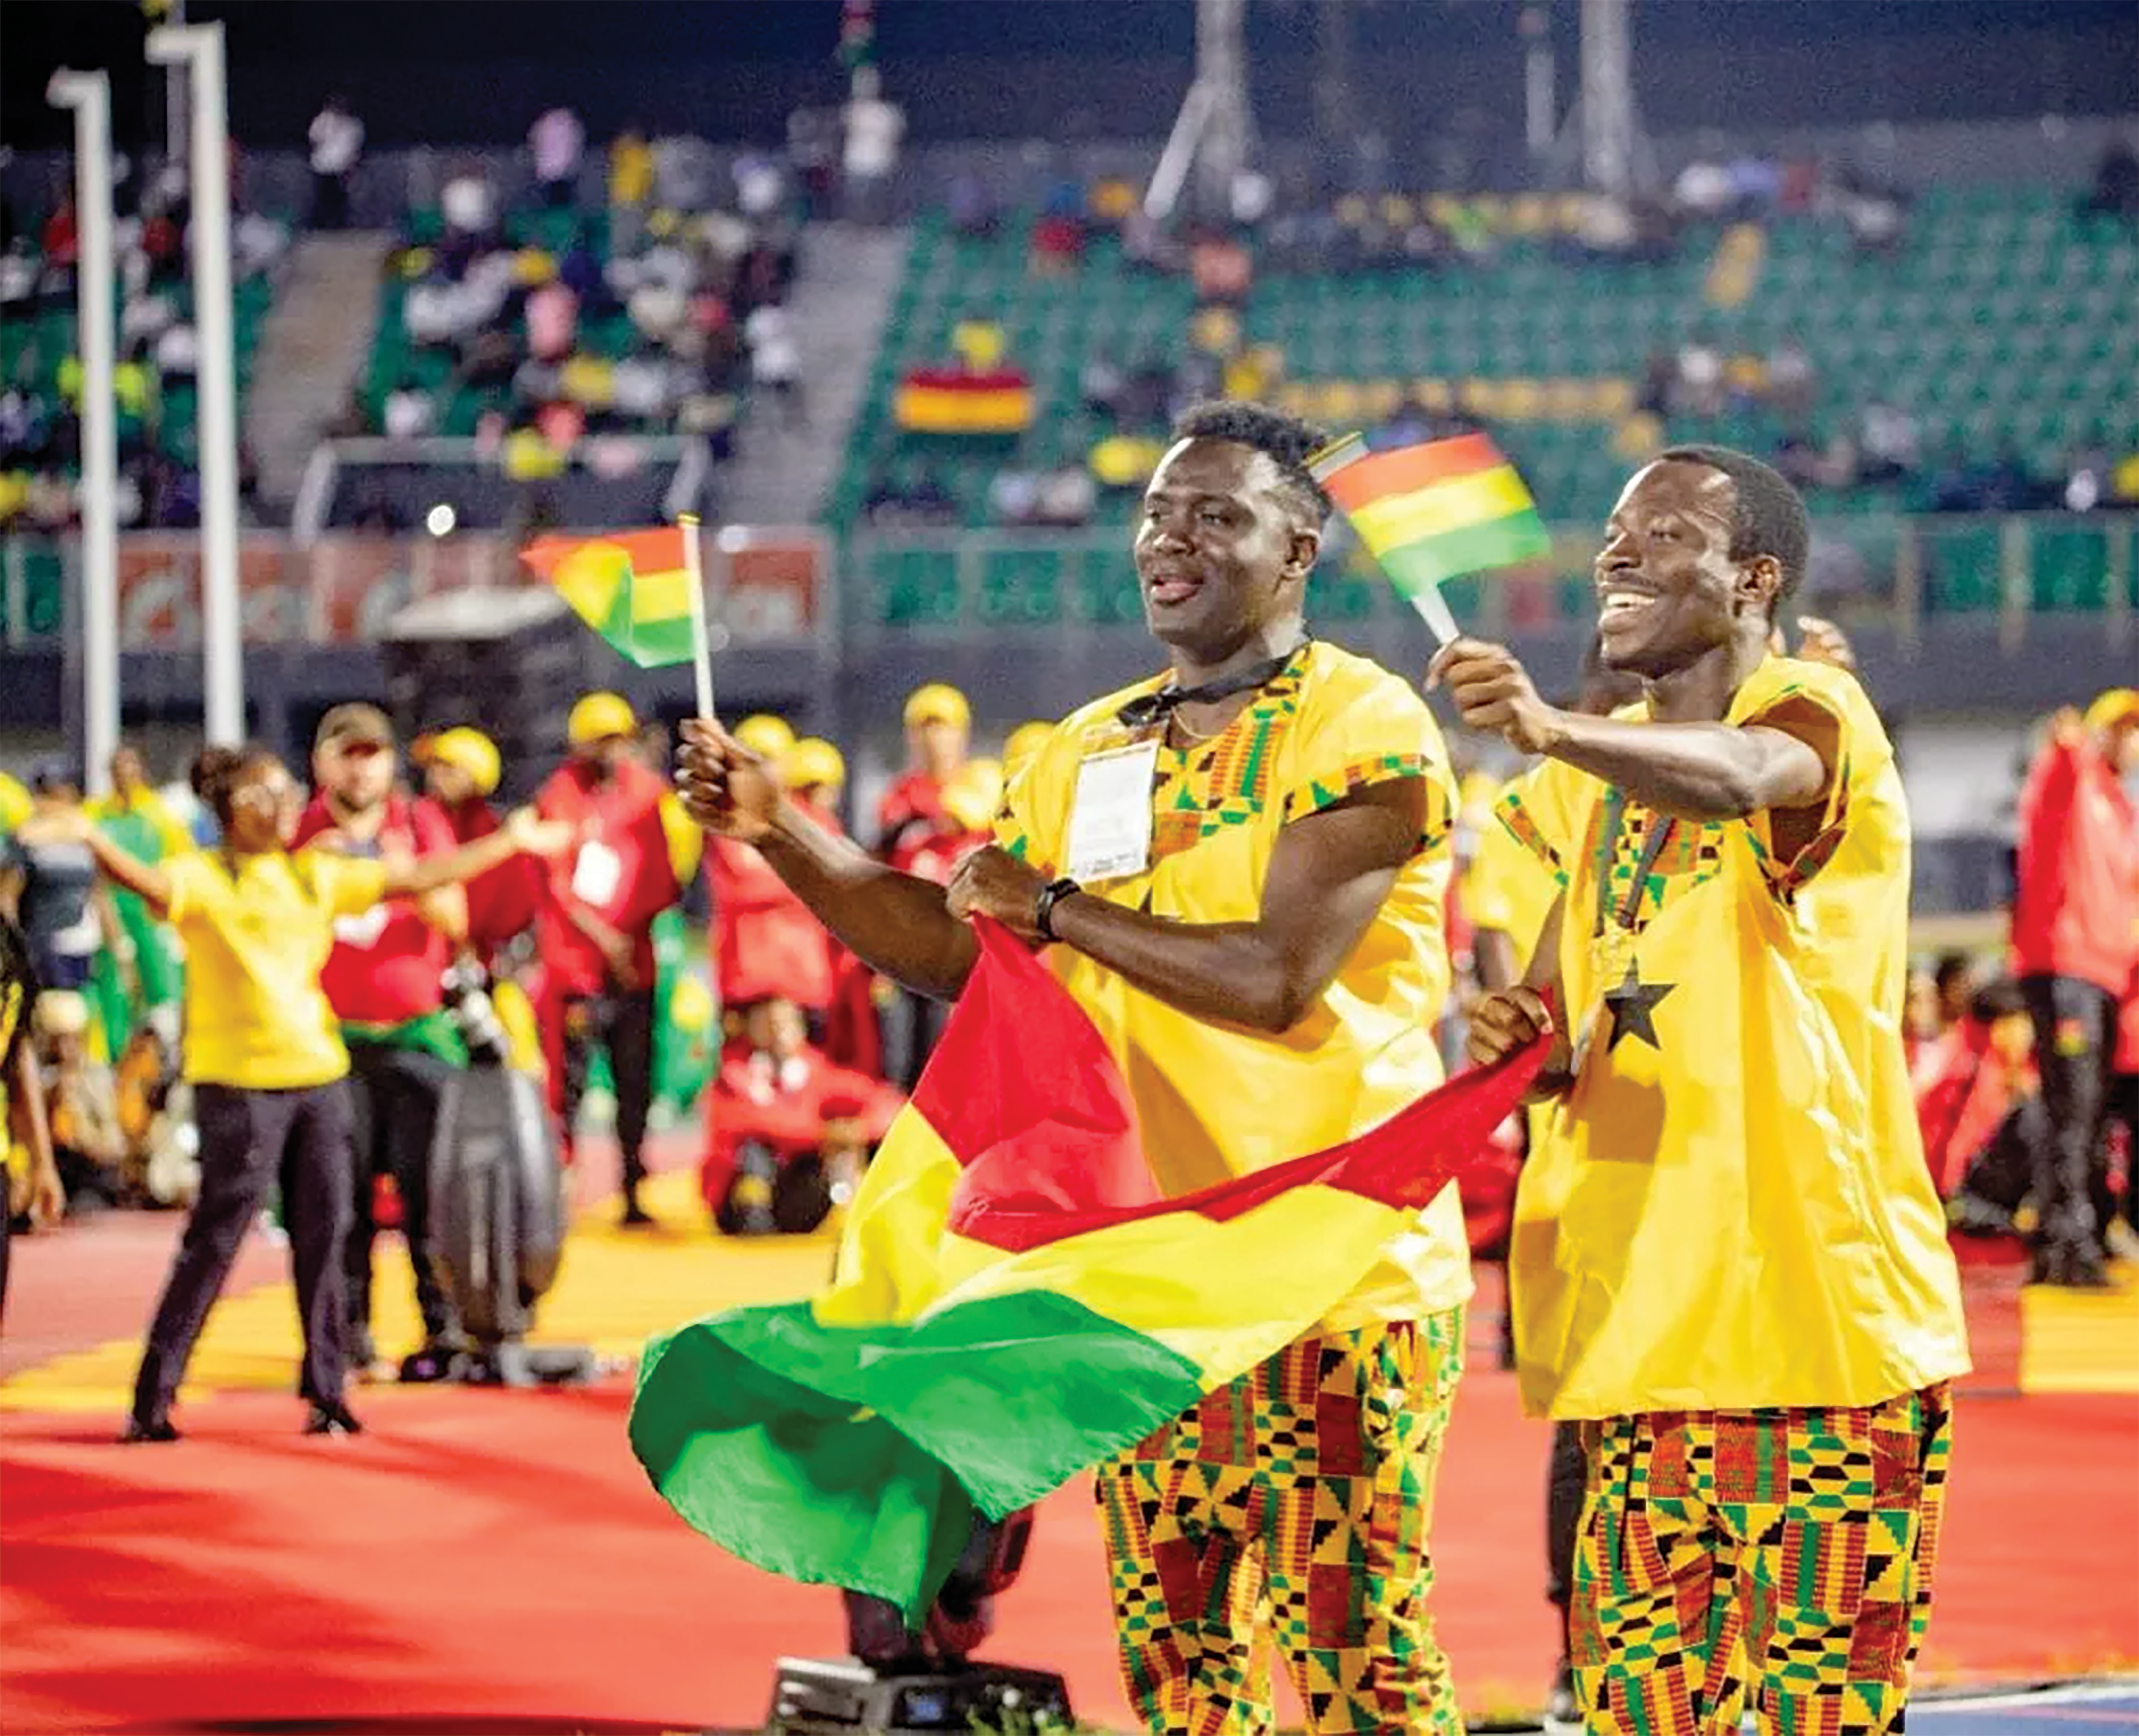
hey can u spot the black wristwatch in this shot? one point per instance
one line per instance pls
(1043, 907)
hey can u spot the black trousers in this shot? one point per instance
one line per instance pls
(1566, 1478)
(395, 1095)
(913, 1029)
(250, 1140)
(2075, 1044)
(623, 1024)
(2003, 1173)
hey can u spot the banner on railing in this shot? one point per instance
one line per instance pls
(343, 591)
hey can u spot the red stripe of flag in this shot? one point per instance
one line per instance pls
(1024, 1091)
(1410, 469)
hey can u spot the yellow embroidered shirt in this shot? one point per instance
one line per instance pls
(1217, 1101)
(1730, 1208)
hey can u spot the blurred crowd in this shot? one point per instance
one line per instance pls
(157, 363)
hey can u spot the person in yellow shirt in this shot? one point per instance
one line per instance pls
(264, 1053)
(1728, 1260)
(1240, 868)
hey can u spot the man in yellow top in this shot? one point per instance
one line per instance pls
(1241, 867)
(1728, 1260)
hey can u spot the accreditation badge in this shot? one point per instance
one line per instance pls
(1110, 814)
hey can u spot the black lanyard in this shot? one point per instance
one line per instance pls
(1661, 828)
(1148, 709)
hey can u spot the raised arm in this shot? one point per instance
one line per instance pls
(1692, 771)
(895, 923)
(523, 833)
(1329, 874)
(122, 867)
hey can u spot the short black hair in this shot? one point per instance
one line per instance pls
(1287, 441)
(1951, 969)
(1994, 1001)
(1768, 515)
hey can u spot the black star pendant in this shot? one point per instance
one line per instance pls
(1633, 1005)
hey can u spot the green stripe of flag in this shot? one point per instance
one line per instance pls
(1417, 566)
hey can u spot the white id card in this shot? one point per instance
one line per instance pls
(596, 873)
(1110, 817)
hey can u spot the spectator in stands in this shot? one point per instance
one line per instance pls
(409, 412)
(1697, 385)
(1793, 385)
(972, 208)
(813, 136)
(1013, 496)
(873, 130)
(1954, 985)
(48, 882)
(1222, 270)
(2075, 950)
(630, 188)
(384, 980)
(1057, 246)
(761, 188)
(2115, 190)
(552, 322)
(1978, 1110)
(1703, 188)
(595, 930)
(776, 362)
(467, 206)
(1889, 448)
(1066, 499)
(558, 143)
(336, 139)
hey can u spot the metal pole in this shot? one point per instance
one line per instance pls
(1540, 123)
(89, 94)
(223, 671)
(175, 96)
(1607, 96)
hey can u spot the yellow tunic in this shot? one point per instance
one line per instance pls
(1218, 1101)
(255, 939)
(1505, 887)
(1730, 1209)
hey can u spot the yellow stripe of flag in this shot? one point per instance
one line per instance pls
(1432, 512)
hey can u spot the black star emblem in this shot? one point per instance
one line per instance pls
(1634, 1004)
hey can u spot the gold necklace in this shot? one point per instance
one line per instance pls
(1194, 735)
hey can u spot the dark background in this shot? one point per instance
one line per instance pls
(447, 72)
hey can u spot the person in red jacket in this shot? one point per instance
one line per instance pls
(384, 980)
(462, 768)
(1978, 1110)
(766, 942)
(816, 773)
(787, 1132)
(939, 727)
(596, 928)
(2075, 947)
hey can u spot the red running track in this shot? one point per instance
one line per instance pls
(499, 1554)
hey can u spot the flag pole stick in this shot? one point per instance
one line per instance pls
(702, 649)
(1439, 619)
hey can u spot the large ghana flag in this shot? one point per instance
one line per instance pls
(633, 588)
(1013, 1301)
(1434, 512)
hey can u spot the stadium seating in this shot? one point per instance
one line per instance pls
(2004, 323)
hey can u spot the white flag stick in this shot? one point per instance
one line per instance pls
(1439, 619)
(701, 649)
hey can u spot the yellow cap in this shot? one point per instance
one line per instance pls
(812, 763)
(2119, 705)
(937, 704)
(1025, 740)
(599, 717)
(472, 753)
(974, 795)
(765, 735)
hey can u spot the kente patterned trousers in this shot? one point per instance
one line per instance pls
(1779, 1558)
(1289, 1510)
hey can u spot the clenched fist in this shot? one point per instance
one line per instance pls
(724, 786)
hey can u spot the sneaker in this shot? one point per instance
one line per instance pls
(142, 1429)
(332, 1420)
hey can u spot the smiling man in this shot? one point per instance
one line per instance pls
(1728, 1260)
(1241, 867)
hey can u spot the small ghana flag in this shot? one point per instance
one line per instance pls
(1432, 512)
(1014, 1300)
(634, 588)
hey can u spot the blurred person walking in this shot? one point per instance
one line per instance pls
(596, 931)
(48, 882)
(2076, 950)
(911, 824)
(33, 1192)
(385, 980)
(336, 139)
(264, 1054)
(143, 975)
